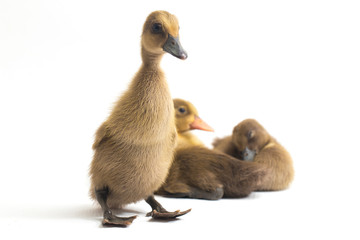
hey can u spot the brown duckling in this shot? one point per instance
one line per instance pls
(251, 142)
(198, 172)
(134, 147)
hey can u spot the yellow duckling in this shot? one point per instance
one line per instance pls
(187, 118)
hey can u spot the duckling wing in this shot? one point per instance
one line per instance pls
(101, 135)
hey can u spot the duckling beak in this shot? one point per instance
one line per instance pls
(198, 123)
(248, 155)
(173, 46)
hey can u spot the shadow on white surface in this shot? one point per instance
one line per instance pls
(82, 211)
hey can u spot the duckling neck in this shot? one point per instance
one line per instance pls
(151, 60)
(187, 139)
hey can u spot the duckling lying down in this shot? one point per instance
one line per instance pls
(133, 148)
(198, 172)
(251, 142)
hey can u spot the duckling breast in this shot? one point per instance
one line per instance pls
(131, 172)
(145, 113)
(135, 159)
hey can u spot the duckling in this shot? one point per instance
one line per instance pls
(187, 118)
(134, 147)
(251, 142)
(198, 172)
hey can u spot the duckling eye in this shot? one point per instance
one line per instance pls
(182, 110)
(156, 28)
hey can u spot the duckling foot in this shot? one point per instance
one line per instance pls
(112, 220)
(166, 215)
(158, 212)
(209, 195)
(109, 218)
(196, 193)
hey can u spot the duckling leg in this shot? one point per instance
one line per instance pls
(197, 193)
(109, 218)
(208, 195)
(161, 213)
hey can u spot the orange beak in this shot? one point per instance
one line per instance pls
(198, 123)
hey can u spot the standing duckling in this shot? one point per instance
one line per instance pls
(198, 172)
(251, 142)
(134, 146)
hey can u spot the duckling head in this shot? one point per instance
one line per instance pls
(249, 137)
(187, 117)
(161, 34)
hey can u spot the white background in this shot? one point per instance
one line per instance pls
(292, 65)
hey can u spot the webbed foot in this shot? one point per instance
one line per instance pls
(112, 220)
(158, 212)
(166, 215)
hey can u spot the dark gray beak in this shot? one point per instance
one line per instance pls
(248, 155)
(173, 46)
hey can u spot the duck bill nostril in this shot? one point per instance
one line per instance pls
(173, 46)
